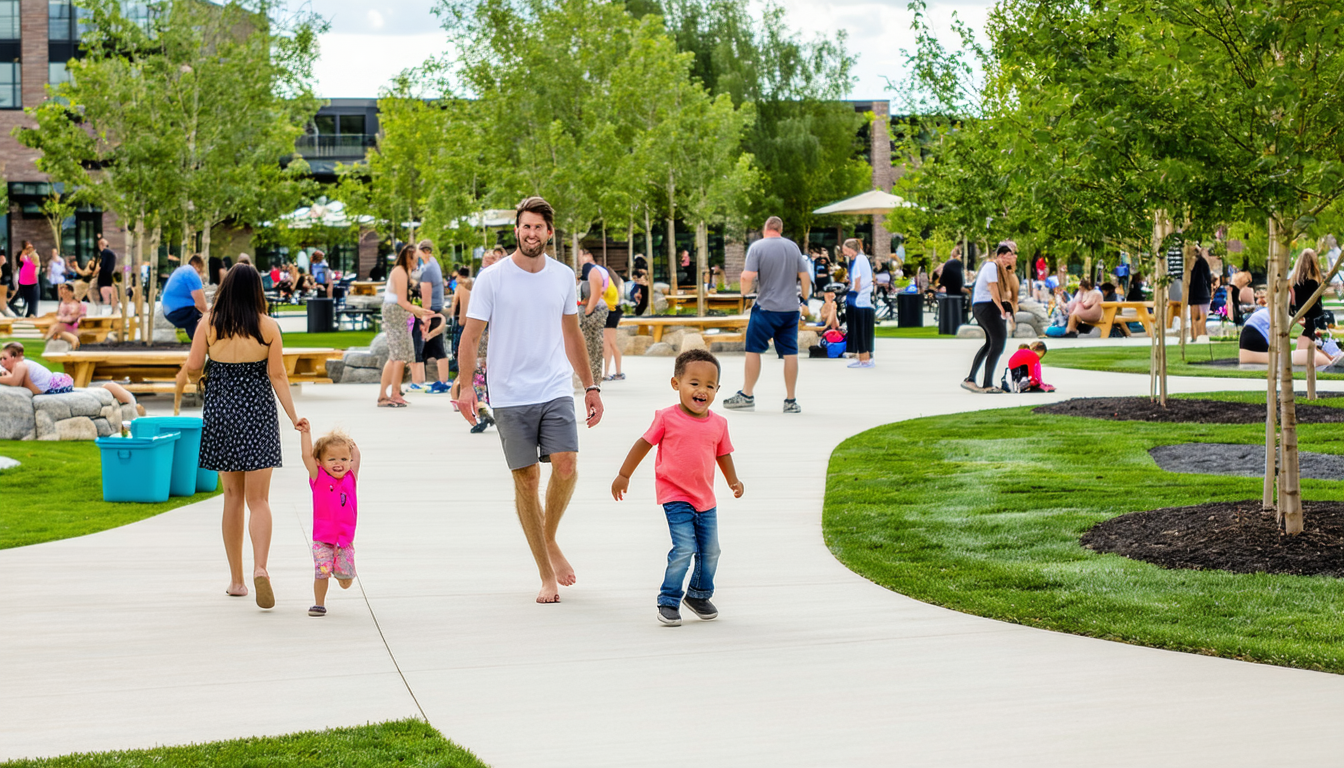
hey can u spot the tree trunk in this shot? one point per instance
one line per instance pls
(1290, 494)
(648, 244)
(701, 266)
(574, 250)
(1187, 325)
(604, 243)
(671, 232)
(151, 293)
(1158, 385)
(630, 249)
(1271, 389)
(207, 226)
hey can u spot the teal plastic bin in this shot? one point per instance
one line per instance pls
(187, 451)
(137, 468)
(206, 480)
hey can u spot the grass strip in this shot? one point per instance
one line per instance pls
(896, 332)
(1136, 360)
(57, 493)
(334, 339)
(32, 350)
(407, 743)
(981, 513)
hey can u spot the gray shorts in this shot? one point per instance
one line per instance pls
(533, 432)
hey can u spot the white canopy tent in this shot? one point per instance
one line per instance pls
(874, 202)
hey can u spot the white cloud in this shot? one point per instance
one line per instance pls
(358, 65)
(375, 19)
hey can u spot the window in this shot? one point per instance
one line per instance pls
(352, 124)
(9, 20)
(60, 20)
(11, 85)
(58, 72)
(325, 125)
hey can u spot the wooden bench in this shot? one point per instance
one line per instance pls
(93, 329)
(6, 326)
(160, 366)
(365, 288)
(730, 302)
(735, 325)
(1113, 312)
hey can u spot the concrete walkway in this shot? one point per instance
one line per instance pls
(125, 638)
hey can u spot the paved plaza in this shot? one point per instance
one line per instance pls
(125, 638)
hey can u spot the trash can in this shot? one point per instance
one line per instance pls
(187, 452)
(951, 314)
(321, 315)
(909, 310)
(206, 480)
(137, 468)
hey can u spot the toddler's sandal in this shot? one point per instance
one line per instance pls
(317, 610)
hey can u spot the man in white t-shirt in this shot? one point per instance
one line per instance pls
(528, 300)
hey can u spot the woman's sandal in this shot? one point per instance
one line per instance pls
(265, 597)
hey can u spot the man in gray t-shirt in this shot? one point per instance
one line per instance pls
(776, 267)
(429, 338)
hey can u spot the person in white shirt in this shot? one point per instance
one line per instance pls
(531, 306)
(860, 316)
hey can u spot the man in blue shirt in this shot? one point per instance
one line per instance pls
(322, 273)
(184, 296)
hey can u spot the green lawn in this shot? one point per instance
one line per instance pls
(57, 493)
(981, 512)
(1136, 360)
(32, 350)
(335, 339)
(410, 743)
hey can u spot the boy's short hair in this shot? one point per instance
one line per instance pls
(14, 348)
(695, 356)
(334, 437)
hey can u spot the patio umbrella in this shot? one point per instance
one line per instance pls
(873, 202)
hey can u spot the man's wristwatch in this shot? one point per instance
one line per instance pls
(592, 388)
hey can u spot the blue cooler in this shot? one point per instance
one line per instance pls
(137, 468)
(187, 452)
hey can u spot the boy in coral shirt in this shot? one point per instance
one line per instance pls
(691, 440)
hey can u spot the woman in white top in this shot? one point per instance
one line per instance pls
(991, 308)
(56, 271)
(1085, 308)
(398, 314)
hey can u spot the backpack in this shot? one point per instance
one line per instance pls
(1016, 379)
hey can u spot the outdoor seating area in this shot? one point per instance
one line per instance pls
(155, 370)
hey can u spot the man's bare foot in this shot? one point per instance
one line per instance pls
(345, 583)
(564, 572)
(550, 593)
(236, 590)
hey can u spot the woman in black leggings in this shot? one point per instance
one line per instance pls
(990, 309)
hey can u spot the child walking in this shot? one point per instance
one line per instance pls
(691, 439)
(333, 467)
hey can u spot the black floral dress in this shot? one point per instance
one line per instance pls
(242, 427)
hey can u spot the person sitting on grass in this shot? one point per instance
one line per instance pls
(1253, 345)
(1028, 357)
(691, 440)
(1084, 309)
(333, 471)
(33, 376)
(68, 315)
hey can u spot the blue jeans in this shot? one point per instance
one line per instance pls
(693, 533)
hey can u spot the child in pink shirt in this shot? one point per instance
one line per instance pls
(333, 466)
(691, 440)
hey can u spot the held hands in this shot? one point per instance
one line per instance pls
(619, 486)
(302, 425)
(738, 489)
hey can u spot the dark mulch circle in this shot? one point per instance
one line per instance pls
(1183, 411)
(1240, 460)
(1231, 536)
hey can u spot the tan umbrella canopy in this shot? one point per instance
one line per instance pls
(873, 202)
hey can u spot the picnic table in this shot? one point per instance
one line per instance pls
(1113, 312)
(365, 288)
(6, 325)
(735, 325)
(93, 329)
(732, 302)
(155, 370)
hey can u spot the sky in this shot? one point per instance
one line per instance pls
(372, 40)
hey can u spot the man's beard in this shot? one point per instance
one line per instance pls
(531, 253)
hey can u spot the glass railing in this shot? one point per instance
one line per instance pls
(344, 145)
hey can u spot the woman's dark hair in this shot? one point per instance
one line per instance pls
(463, 272)
(404, 258)
(1107, 288)
(239, 304)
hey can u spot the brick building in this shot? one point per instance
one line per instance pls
(37, 39)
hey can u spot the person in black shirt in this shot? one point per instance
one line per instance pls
(1306, 279)
(107, 268)
(1135, 287)
(952, 278)
(1201, 294)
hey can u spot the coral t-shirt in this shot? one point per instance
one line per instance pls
(687, 451)
(335, 509)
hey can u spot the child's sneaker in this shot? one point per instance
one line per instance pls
(317, 610)
(740, 402)
(792, 406)
(669, 615)
(416, 388)
(438, 388)
(703, 609)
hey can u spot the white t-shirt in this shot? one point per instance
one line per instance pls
(524, 310)
(861, 272)
(989, 273)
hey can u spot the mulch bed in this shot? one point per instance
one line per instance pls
(1231, 536)
(1184, 411)
(1240, 460)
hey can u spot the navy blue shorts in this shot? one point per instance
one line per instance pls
(780, 326)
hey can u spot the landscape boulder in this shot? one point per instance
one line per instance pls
(691, 341)
(17, 420)
(661, 349)
(970, 332)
